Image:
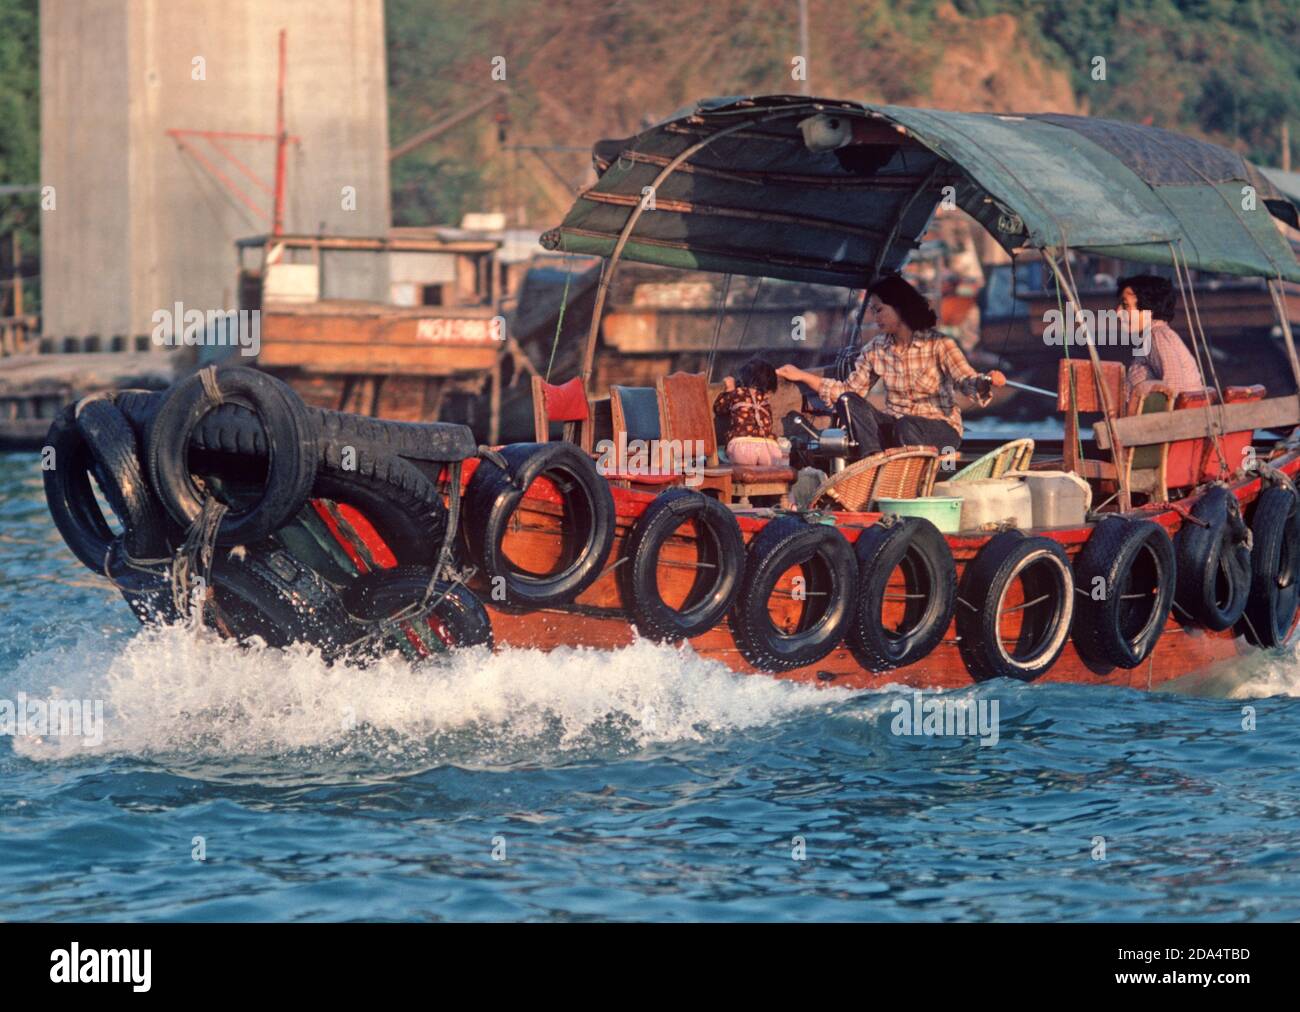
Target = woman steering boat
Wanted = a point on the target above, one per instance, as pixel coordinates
(922, 370)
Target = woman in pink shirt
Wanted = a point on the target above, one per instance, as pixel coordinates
(1147, 304)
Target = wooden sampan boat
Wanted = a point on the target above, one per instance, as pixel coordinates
(836, 192)
(338, 532)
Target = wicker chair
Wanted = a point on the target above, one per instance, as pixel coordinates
(1146, 466)
(904, 472)
(1012, 456)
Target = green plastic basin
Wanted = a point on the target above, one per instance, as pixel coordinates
(941, 510)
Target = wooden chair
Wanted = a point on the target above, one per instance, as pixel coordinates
(1077, 387)
(564, 402)
(903, 472)
(635, 416)
(1145, 466)
(687, 414)
(686, 418)
(1187, 459)
(1012, 456)
(751, 479)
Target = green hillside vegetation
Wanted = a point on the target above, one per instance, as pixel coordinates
(1228, 70)
(578, 69)
(20, 119)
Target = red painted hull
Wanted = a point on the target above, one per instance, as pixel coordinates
(598, 618)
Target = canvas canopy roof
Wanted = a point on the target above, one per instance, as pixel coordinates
(848, 194)
(1287, 182)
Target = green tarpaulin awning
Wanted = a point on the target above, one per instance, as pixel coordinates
(835, 192)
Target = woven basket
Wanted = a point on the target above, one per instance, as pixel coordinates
(904, 472)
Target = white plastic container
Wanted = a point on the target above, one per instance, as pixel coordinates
(990, 501)
(1060, 499)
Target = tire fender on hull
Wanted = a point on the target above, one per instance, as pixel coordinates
(493, 497)
(1126, 575)
(1041, 566)
(916, 549)
(290, 436)
(455, 615)
(399, 501)
(1213, 561)
(147, 590)
(722, 553)
(116, 452)
(1274, 596)
(96, 444)
(830, 577)
(268, 593)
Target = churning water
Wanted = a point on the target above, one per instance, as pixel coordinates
(245, 783)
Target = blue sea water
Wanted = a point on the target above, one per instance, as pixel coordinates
(643, 783)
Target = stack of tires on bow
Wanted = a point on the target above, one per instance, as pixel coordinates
(333, 525)
(345, 532)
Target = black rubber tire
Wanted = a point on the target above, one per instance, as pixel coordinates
(266, 592)
(493, 495)
(147, 590)
(384, 592)
(721, 545)
(291, 460)
(233, 429)
(116, 453)
(1213, 562)
(70, 496)
(1274, 595)
(404, 507)
(400, 501)
(437, 442)
(984, 583)
(915, 546)
(1118, 628)
(783, 543)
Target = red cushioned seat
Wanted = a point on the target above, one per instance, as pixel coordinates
(1186, 457)
(1234, 443)
(566, 402)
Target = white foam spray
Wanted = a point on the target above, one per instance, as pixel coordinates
(172, 691)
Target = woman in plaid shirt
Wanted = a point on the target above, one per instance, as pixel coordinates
(922, 370)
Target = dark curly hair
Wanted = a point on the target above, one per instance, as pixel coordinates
(758, 374)
(906, 301)
(1153, 293)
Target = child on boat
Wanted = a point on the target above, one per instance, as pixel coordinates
(745, 405)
